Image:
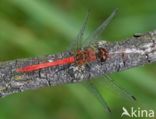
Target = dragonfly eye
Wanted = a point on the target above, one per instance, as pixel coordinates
(102, 54)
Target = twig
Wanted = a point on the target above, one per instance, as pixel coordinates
(134, 51)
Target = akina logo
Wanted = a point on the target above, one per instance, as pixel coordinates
(137, 112)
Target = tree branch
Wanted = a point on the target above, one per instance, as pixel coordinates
(137, 50)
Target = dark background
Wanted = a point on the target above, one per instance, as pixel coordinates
(37, 27)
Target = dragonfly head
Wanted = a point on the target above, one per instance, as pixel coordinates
(102, 54)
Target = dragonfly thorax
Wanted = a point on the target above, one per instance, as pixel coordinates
(85, 55)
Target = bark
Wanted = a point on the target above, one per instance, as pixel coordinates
(135, 51)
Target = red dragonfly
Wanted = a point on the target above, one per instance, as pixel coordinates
(84, 55)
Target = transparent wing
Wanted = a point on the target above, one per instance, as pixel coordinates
(78, 40)
(117, 86)
(95, 35)
(93, 89)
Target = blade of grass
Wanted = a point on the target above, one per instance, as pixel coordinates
(140, 77)
(21, 37)
(48, 14)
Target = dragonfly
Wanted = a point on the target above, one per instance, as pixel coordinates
(83, 55)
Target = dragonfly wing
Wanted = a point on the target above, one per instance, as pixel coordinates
(118, 87)
(95, 35)
(93, 89)
(78, 40)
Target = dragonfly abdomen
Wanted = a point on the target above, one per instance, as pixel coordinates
(47, 64)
